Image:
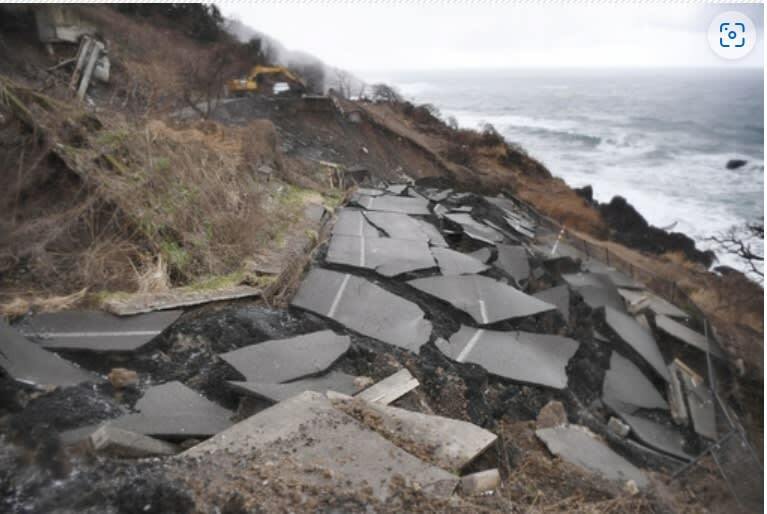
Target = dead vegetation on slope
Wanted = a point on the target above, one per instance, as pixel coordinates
(104, 203)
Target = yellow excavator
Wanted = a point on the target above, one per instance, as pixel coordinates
(262, 80)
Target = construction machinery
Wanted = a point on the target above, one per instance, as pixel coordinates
(262, 80)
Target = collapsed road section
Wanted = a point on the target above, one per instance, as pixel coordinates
(428, 323)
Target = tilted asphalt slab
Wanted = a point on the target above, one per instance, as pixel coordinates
(174, 411)
(638, 338)
(483, 298)
(520, 356)
(474, 229)
(388, 203)
(386, 256)
(283, 360)
(686, 335)
(363, 307)
(514, 261)
(559, 296)
(332, 381)
(625, 383)
(26, 362)
(351, 222)
(661, 437)
(396, 225)
(96, 331)
(456, 263)
(579, 446)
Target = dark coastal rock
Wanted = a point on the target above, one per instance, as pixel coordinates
(630, 228)
(734, 164)
(586, 192)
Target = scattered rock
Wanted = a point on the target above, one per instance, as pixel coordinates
(121, 378)
(631, 487)
(734, 164)
(480, 482)
(618, 428)
(363, 382)
(552, 414)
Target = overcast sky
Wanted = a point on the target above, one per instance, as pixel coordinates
(366, 37)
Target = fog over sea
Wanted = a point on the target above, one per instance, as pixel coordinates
(660, 138)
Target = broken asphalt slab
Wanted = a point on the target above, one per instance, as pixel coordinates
(483, 298)
(363, 307)
(578, 445)
(396, 225)
(96, 331)
(661, 437)
(653, 302)
(520, 356)
(626, 384)
(351, 222)
(283, 360)
(332, 381)
(559, 296)
(456, 263)
(632, 333)
(474, 229)
(174, 411)
(26, 362)
(386, 256)
(386, 203)
(686, 335)
(514, 261)
(352, 455)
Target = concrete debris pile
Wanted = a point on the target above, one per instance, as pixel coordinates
(448, 282)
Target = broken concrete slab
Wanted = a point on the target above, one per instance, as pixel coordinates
(26, 362)
(387, 203)
(172, 410)
(655, 303)
(369, 191)
(578, 445)
(559, 296)
(596, 297)
(140, 303)
(450, 443)
(676, 395)
(364, 307)
(351, 222)
(283, 360)
(655, 435)
(618, 427)
(123, 443)
(632, 333)
(96, 331)
(483, 298)
(520, 356)
(514, 261)
(438, 195)
(686, 335)
(474, 229)
(456, 263)
(353, 455)
(390, 388)
(333, 381)
(386, 256)
(481, 482)
(626, 384)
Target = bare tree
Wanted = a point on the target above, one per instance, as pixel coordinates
(343, 83)
(739, 241)
(385, 93)
(205, 76)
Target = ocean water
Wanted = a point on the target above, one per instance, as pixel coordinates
(659, 138)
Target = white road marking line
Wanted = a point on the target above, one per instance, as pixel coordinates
(483, 311)
(362, 241)
(56, 335)
(470, 345)
(337, 298)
